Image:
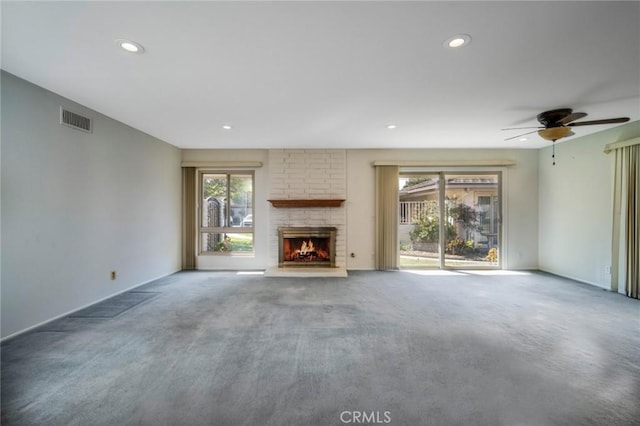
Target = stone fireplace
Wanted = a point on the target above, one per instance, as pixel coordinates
(307, 247)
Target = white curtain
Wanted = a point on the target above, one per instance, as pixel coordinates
(626, 230)
(387, 217)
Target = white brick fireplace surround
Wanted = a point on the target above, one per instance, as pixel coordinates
(303, 174)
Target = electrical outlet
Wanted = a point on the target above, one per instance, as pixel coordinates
(113, 275)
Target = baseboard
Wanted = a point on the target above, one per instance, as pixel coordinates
(573, 278)
(66, 314)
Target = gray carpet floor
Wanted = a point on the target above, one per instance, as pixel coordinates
(438, 349)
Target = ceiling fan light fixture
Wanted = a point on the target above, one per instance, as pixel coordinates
(457, 41)
(554, 133)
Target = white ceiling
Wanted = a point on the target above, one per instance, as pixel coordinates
(332, 74)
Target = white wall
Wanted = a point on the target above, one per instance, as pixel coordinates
(520, 191)
(520, 194)
(76, 206)
(575, 206)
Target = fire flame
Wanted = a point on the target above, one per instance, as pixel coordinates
(306, 247)
(303, 250)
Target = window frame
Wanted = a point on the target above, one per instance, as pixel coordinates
(225, 229)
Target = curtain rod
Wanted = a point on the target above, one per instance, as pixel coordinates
(445, 163)
(622, 144)
(222, 164)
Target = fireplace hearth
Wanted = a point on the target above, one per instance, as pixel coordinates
(307, 247)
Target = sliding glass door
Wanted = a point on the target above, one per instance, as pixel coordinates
(450, 220)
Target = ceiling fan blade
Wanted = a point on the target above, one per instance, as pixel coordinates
(606, 121)
(572, 117)
(519, 136)
(521, 128)
(552, 118)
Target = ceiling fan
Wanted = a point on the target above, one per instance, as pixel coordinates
(557, 124)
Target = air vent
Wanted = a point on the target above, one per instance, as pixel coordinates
(75, 121)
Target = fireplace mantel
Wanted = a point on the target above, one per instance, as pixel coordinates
(306, 203)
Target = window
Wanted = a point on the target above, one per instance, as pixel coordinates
(226, 212)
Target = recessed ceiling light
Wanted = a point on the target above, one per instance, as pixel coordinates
(130, 46)
(457, 41)
(391, 126)
(522, 139)
(227, 127)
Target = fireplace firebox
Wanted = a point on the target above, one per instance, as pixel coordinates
(307, 247)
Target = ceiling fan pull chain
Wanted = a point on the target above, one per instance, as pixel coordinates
(553, 155)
